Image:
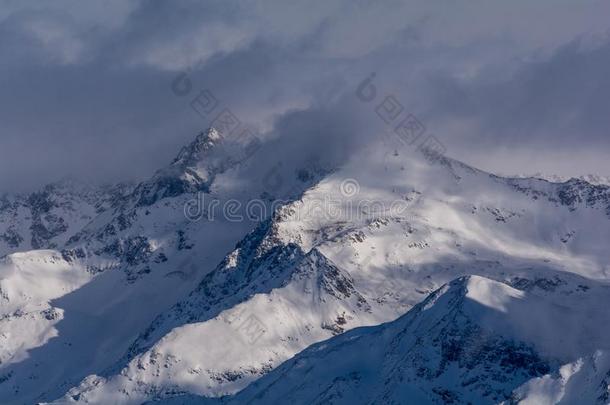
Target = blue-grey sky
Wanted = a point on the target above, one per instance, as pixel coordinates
(510, 87)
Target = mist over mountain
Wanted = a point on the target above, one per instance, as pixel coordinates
(257, 203)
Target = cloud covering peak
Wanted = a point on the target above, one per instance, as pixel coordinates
(88, 88)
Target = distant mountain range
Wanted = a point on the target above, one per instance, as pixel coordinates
(398, 277)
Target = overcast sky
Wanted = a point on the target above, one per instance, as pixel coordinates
(511, 87)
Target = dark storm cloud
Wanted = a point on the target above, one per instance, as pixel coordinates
(86, 90)
(556, 100)
(58, 121)
(547, 108)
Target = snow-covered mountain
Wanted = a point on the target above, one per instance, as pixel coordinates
(472, 341)
(145, 301)
(46, 219)
(101, 285)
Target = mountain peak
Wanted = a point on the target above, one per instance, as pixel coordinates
(473, 294)
(490, 293)
(194, 169)
(204, 141)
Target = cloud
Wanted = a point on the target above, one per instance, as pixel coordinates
(87, 88)
(546, 108)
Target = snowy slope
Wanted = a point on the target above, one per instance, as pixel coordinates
(108, 280)
(28, 282)
(584, 381)
(465, 343)
(315, 271)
